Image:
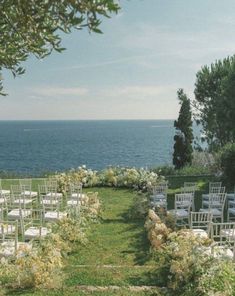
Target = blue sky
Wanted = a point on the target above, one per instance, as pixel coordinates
(132, 71)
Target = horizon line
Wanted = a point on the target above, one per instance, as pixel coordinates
(126, 119)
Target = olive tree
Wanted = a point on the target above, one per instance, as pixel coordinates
(34, 27)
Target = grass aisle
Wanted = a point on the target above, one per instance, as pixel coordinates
(117, 252)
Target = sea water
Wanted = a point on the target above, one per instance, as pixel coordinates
(33, 147)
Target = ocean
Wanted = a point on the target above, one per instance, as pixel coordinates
(34, 147)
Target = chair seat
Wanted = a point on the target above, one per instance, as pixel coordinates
(231, 196)
(214, 211)
(180, 213)
(77, 195)
(158, 196)
(217, 252)
(185, 204)
(222, 252)
(15, 214)
(231, 211)
(205, 196)
(54, 216)
(229, 233)
(29, 193)
(33, 232)
(231, 203)
(159, 203)
(73, 202)
(54, 194)
(200, 232)
(8, 248)
(21, 201)
(212, 203)
(49, 202)
(5, 192)
(2, 200)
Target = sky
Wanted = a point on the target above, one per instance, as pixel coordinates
(131, 71)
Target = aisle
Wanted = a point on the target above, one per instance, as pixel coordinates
(117, 252)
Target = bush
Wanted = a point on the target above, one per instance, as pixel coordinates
(227, 162)
(140, 179)
(70, 231)
(203, 163)
(183, 265)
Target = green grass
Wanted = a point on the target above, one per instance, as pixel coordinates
(76, 292)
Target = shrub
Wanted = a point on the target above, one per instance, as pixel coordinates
(218, 279)
(183, 265)
(157, 230)
(140, 179)
(140, 207)
(41, 266)
(70, 231)
(227, 162)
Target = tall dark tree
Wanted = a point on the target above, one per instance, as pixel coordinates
(184, 134)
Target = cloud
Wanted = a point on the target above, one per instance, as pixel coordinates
(133, 58)
(163, 41)
(137, 92)
(59, 91)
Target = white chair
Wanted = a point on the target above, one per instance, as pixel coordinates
(212, 196)
(20, 206)
(74, 199)
(8, 238)
(214, 187)
(26, 188)
(183, 205)
(190, 188)
(158, 198)
(49, 196)
(18, 198)
(75, 191)
(231, 210)
(200, 223)
(52, 210)
(33, 227)
(223, 234)
(216, 204)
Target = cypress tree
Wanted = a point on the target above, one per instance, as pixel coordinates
(184, 134)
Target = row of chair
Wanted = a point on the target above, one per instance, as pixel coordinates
(222, 234)
(27, 215)
(215, 200)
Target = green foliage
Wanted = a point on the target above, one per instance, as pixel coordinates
(34, 27)
(70, 231)
(184, 135)
(218, 279)
(227, 162)
(214, 102)
(183, 263)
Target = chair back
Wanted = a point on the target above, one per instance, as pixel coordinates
(217, 200)
(183, 201)
(214, 187)
(223, 232)
(201, 220)
(25, 184)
